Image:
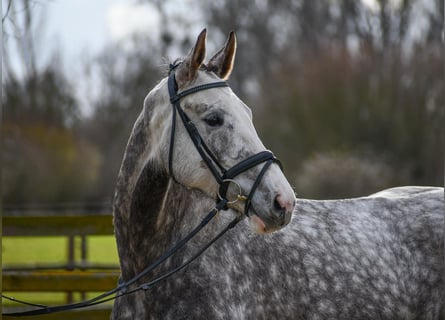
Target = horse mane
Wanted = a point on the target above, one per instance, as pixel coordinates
(147, 202)
(140, 188)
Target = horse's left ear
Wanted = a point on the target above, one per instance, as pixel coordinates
(222, 62)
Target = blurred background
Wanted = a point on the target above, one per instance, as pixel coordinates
(349, 94)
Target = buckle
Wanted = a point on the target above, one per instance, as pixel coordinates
(238, 197)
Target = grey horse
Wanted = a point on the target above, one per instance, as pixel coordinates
(375, 257)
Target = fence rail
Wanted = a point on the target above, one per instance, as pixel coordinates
(57, 225)
(74, 276)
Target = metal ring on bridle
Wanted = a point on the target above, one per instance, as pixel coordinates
(239, 196)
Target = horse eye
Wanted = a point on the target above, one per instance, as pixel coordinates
(214, 120)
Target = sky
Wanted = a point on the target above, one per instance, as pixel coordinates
(80, 30)
(77, 27)
(87, 26)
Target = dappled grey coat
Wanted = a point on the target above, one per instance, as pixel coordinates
(377, 257)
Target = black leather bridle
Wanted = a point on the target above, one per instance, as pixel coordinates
(224, 177)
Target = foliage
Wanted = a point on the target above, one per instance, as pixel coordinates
(126, 79)
(43, 159)
(43, 96)
(39, 160)
(342, 77)
(337, 175)
(379, 107)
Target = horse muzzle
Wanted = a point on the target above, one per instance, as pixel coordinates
(276, 217)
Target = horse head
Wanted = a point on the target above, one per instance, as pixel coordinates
(219, 120)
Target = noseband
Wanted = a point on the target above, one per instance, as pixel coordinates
(224, 177)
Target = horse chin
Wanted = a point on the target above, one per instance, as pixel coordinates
(260, 222)
(257, 225)
(262, 226)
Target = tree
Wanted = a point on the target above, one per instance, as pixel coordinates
(126, 79)
(343, 76)
(42, 158)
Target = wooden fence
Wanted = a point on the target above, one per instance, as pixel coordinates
(73, 276)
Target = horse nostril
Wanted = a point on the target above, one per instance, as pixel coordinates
(278, 208)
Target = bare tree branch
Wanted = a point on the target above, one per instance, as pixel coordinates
(7, 11)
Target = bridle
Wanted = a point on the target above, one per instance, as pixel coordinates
(224, 178)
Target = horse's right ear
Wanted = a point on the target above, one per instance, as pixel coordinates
(189, 67)
(222, 62)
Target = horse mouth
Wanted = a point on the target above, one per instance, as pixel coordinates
(261, 225)
(257, 224)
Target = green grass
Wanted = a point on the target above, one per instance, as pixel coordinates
(53, 250)
(102, 249)
(30, 250)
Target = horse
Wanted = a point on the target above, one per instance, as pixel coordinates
(374, 257)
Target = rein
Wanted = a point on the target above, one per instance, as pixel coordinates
(123, 288)
(223, 177)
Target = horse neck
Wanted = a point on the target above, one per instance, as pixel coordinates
(151, 211)
(140, 189)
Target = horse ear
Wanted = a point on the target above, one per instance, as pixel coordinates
(195, 58)
(222, 62)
